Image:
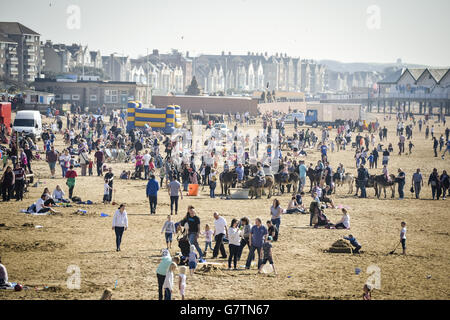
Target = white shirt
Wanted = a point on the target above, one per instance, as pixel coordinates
(58, 194)
(39, 204)
(65, 160)
(168, 282)
(183, 279)
(404, 233)
(220, 225)
(346, 221)
(106, 188)
(120, 219)
(234, 236)
(147, 158)
(3, 273)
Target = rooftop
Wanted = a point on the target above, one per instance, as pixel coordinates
(16, 28)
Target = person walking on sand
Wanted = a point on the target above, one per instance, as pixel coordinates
(168, 282)
(220, 231)
(275, 213)
(257, 237)
(234, 237)
(152, 193)
(193, 222)
(434, 181)
(182, 281)
(169, 228)
(267, 255)
(161, 271)
(417, 182)
(120, 224)
(71, 176)
(175, 192)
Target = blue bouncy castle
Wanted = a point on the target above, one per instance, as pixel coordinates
(159, 119)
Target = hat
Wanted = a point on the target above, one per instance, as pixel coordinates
(165, 253)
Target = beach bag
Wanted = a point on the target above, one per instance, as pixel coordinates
(76, 199)
(412, 189)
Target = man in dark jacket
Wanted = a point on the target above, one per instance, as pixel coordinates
(363, 177)
(152, 193)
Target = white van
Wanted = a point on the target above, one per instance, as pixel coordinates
(28, 122)
(289, 118)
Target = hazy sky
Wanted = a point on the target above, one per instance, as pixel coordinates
(416, 31)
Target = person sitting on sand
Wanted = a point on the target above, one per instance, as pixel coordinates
(58, 195)
(324, 197)
(3, 276)
(124, 175)
(344, 223)
(41, 207)
(48, 198)
(294, 207)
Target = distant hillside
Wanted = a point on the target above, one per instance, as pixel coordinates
(364, 66)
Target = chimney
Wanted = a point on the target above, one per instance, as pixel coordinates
(155, 52)
(229, 53)
(276, 54)
(265, 54)
(223, 53)
(187, 54)
(248, 53)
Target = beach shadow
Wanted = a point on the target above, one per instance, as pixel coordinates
(93, 252)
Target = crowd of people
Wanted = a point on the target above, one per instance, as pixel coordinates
(178, 162)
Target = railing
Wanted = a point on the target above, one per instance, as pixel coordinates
(424, 96)
(417, 95)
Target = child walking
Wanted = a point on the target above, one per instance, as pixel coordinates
(208, 238)
(267, 250)
(193, 260)
(168, 281)
(106, 187)
(182, 281)
(169, 228)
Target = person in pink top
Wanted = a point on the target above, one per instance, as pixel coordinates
(139, 164)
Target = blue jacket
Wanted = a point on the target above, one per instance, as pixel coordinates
(152, 187)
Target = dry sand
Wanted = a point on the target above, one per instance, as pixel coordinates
(41, 257)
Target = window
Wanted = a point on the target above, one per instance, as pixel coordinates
(93, 97)
(76, 97)
(24, 122)
(111, 96)
(57, 97)
(66, 96)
